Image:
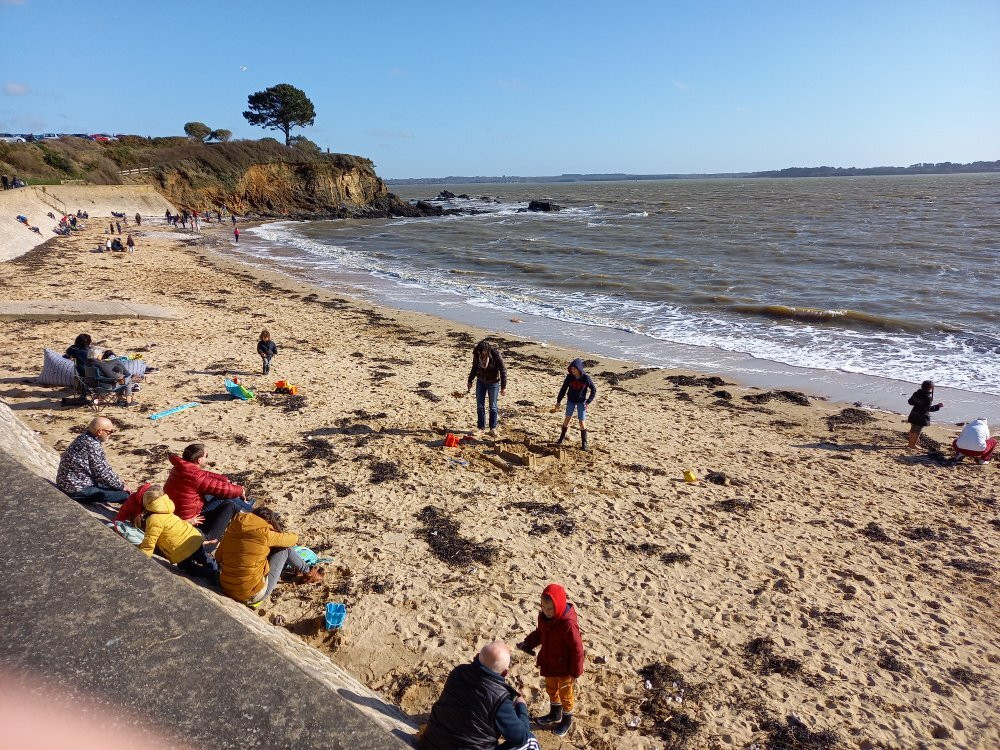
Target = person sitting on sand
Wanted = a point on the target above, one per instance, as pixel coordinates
(490, 374)
(975, 442)
(79, 352)
(202, 497)
(920, 415)
(579, 389)
(560, 658)
(253, 553)
(177, 540)
(477, 707)
(84, 471)
(267, 350)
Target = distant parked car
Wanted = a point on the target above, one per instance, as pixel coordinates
(46, 137)
(100, 137)
(11, 138)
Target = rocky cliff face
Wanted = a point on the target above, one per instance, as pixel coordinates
(336, 186)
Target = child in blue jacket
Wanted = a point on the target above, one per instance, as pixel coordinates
(579, 389)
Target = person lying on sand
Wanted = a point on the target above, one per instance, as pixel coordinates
(975, 442)
(579, 389)
(253, 553)
(560, 658)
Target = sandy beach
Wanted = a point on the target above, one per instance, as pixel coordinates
(827, 581)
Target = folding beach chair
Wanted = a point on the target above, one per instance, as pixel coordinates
(97, 390)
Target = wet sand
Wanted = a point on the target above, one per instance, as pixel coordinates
(829, 576)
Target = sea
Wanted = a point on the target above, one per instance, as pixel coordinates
(854, 288)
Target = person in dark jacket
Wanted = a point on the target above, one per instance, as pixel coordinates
(490, 374)
(477, 707)
(560, 658)
(267, 350)
(579, 389)
(80, 352)
(920, 415)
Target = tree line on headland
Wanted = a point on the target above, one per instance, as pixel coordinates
(946, 167)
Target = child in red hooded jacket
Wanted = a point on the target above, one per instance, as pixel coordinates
(560, 659)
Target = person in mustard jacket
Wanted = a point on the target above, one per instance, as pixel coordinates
(253, 553)
(175, 539)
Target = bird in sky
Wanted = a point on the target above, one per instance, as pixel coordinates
(243, 67)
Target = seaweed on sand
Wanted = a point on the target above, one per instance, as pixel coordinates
(888, 660)
(966, 676)
(537, 509)
(712, 381)
(614, 378)
(735, 505)
(646, 548)
(314, 449)
(429, 395)
(791, 397)
(849, 417)
(828, 618)
(971, 566)
(384, 471)
(285, 402)
(667, 691)
(640, 469)
(565, 526)
(671, 558)
(759, 654)
(442, 535)
(795, 735)
(875, 533)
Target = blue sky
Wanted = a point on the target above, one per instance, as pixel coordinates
(529, 88)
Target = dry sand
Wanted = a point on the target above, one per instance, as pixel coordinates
(838, 580)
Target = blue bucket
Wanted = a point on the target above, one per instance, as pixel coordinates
(335, 615)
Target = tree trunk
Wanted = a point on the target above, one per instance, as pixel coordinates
(288, 130)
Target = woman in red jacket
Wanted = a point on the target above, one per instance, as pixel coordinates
(202, 497)
(560, 659)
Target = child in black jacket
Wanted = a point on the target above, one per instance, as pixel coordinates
(579, 389)
(267, 350)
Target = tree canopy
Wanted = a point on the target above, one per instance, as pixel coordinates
(280, 107)
(197, 130)
(222, 135)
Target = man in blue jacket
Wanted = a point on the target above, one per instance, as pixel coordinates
(477, 708)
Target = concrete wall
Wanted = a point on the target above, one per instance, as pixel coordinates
(99, 201)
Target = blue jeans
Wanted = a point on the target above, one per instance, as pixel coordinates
(580, 409)
(98, 494)
(482, 389)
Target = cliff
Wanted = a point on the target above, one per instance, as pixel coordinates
(256, 178)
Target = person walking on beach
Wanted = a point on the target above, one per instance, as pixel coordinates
(6, 182)
(579, 389)
(118, 226)
(922, 402)
(236, 234)
(233, 217)
(266, 348)
(138, 219)
(490, 374)
(560, 658)
(130, 243)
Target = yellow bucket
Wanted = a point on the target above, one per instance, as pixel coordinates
(690, 477)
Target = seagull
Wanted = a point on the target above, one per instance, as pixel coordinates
(243, 67)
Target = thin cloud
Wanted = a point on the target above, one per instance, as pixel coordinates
(14, 89)
(11, 2)
(742, 110)
(509, 84)
(680, 86)
(390, 134)
(396, 72)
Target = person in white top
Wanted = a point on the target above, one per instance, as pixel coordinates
(975, 442)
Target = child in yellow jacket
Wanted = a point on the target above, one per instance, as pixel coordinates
(174, 538)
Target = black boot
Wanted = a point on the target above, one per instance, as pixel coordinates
(554, 716)
(583, 439)
(562, 436)
(564, 725)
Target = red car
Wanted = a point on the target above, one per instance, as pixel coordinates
(101, 137)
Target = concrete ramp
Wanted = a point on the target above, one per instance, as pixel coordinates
(84, 310)
(99, 201)
(91, 617)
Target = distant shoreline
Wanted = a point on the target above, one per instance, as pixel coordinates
(977, 167)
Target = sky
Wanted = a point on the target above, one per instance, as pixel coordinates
(528, 88)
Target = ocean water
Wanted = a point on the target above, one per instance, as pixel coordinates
(889, 277)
